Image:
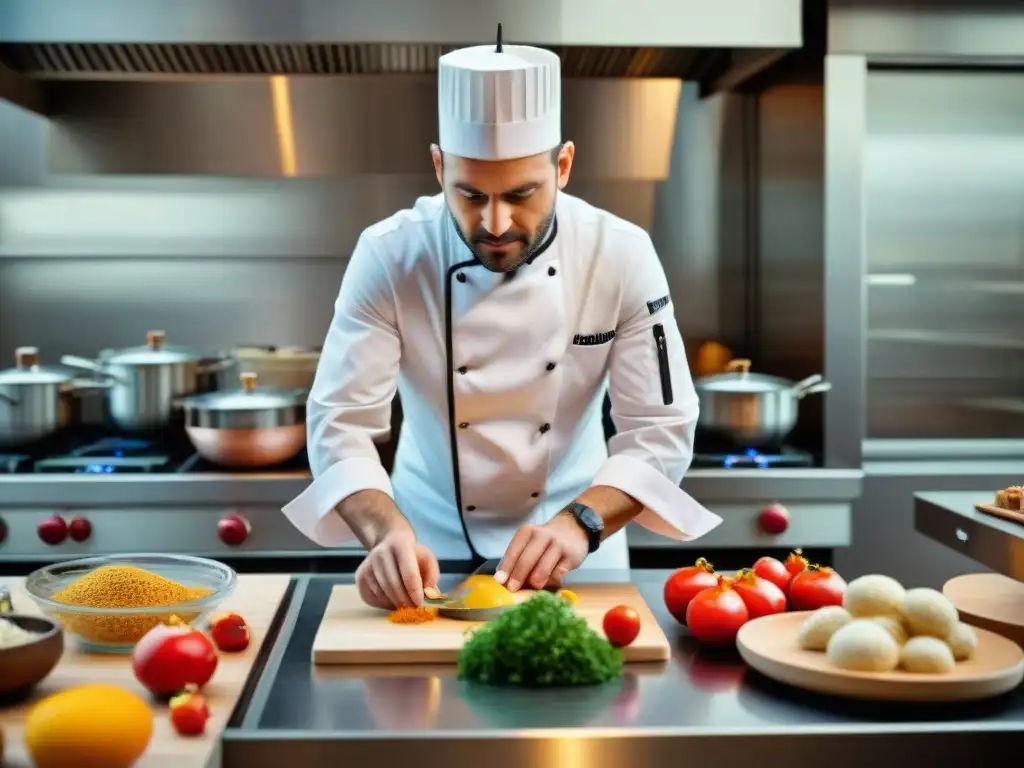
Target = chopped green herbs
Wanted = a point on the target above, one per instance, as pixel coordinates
(540, 642)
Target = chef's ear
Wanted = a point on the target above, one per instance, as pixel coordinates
(438, 158)
(564, 163)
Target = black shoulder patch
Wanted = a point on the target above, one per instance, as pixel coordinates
(657, 305)
(593, 339)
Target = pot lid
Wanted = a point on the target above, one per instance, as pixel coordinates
(27, 370)
(247, 398)
(739, 379)
(154, 352)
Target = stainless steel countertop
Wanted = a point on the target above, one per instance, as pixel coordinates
(704, 704)
(950, 518)
(277, 489)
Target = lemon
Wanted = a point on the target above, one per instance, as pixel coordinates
(89, 726)
(569, 595)
(483, 592)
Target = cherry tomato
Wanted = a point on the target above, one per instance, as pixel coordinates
(796, 562)
(761, 597)
(621, 625)
(684, 584)
(715, 615)
(189, 713)
(815, 588)
(774, 571)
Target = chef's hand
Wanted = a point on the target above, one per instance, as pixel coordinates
(396, 570)
(539, 555)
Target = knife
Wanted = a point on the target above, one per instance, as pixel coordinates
(438, 599)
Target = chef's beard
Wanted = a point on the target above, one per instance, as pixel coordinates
(501, 261)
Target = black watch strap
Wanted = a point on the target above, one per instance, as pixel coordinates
(590, 522)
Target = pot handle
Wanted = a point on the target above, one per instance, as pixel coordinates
(739, 365)
(812, 385)
(5, 398)
(212, 366)
(84, 364)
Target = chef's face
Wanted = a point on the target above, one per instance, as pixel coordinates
(503, 209)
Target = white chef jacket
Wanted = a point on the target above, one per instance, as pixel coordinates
(502, 379)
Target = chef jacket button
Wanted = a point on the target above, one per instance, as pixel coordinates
(463, 425)
(463, 369)
(461, 277)
(551, 366)
(551, 271)
(535, 495)
(544, 428)
(471, 508)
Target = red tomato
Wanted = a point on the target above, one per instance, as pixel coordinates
(815, 588)
(230, 633)
(715, 615)
(761, 597)
(189, 713)
(684, 584)
(621, 625)
(796, 562)
(167, 659)
(774, 571)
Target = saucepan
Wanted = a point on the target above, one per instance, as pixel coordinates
(752, 409)
(37, 402)
(145, 381)
(249, 427)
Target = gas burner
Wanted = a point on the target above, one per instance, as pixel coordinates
(752, 458)
(109, 456)
(13, 463)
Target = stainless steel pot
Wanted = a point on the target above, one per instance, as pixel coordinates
(281, 367)
(37, 402)
(752, 409)
(249, 427)
(146, 381)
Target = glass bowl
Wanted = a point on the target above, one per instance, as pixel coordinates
(201, 585)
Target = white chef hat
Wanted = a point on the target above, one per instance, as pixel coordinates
(499, 102)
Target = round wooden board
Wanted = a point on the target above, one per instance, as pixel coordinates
(989, 601)
(769, 645)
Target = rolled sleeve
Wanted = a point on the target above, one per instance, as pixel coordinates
(312, 511)
(668, 510)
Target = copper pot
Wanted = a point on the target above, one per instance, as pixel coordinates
(247, 428)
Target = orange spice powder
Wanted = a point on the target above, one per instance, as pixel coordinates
(409, 614)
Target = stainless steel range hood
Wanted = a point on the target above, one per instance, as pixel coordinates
(597, 38)
(132, 86)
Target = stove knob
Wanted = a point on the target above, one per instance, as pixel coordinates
(233, 529)
(3, 531)
(774, 519)
(53, 530)
(79, 529)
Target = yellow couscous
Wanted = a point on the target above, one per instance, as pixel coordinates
(121, 587)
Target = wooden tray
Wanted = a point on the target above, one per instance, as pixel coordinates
(353, 633)
(1006, 514)
(769, 645)
(989, 601)
(256, 598)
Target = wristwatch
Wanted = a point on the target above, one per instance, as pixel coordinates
(590, 522)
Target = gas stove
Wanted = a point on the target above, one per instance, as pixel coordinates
(115, 455)
(782, 457)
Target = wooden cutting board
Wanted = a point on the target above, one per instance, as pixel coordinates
(769, 645)
(256, 598)
(353, 633)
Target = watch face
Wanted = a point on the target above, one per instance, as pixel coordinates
(591, 519)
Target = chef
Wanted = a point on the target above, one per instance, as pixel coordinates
(501, 310)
